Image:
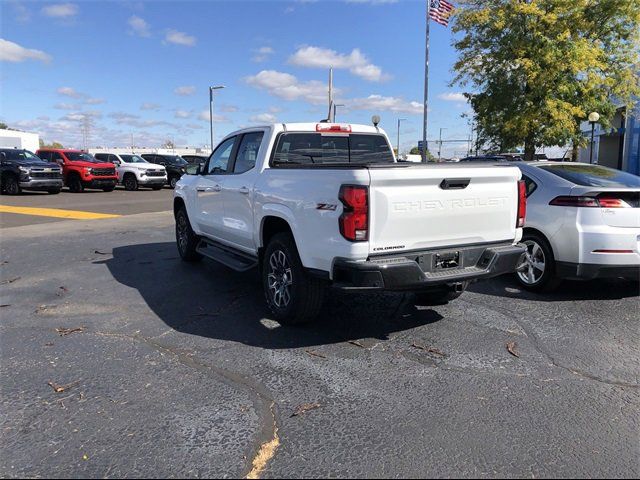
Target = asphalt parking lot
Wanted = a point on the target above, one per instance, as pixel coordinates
(176, 370)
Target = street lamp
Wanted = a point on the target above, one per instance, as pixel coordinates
(211, 89)
(399, 120)
(593, 118)
(440, 146)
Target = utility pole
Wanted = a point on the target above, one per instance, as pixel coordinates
(399, 120)
(440, 145)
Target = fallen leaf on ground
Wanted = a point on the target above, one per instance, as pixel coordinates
(5, 305)
(62, 388)
(511, 347)
(63, 332)
(314, 354)
(433, 350)
(100, 253)
(305, 407)
(62, 290)
(11, 280)
(356, 343)
(50, 344)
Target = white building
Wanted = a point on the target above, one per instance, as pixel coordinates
(17, 139)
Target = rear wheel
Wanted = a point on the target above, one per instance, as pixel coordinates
(439, 296)
(172, 181)
(75, 184)
(536, 268)
(130, 182)
(293, 296)
(186, 238)
(10, 185)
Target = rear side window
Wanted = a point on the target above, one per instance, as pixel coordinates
(248, 152)
(316, 148)
(529, 184)
(593, 175)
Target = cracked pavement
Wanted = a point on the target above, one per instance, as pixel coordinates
(181, 373)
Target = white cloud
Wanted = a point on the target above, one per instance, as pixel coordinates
(139, 26)
(179, 38)
(227, 108)
(69, 92)
(67, 106)
(185, 90)
(61, 10)
(12, 52)
(378, 103)
(263, 118)
(263, 54)
(94, 101)
(22, 13)
(123, 118)
(204, 115)
(356, 62)
(288, 87)
(182, 114)
(453, 97)
(149, 106)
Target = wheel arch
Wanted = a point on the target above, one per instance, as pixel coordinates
(530, 230)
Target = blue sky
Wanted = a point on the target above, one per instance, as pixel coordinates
(143, 68)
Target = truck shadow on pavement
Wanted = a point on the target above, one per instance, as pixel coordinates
(599, 289)
(210, 300)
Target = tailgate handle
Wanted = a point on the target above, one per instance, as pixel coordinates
(455, 183)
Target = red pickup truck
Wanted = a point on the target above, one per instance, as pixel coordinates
(81, 170)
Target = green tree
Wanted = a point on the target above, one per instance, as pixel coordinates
(3, 126)
(53, 144)
(416, 151)
(538, 67)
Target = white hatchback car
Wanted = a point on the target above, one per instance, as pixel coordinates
(134, 171)
(583, 222)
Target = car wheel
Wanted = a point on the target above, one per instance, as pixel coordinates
(186, 238)
(76, 185)
(293, 296)
(130, 182)
(536, 267)
(10, 185)
(54, 191)
(173, 181)
(433, 297)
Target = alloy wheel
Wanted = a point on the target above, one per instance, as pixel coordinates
(183, 232)
(532, 263)
(279, 279)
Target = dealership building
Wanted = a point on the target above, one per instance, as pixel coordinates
(18, 139)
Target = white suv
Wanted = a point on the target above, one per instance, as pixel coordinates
(134, 171)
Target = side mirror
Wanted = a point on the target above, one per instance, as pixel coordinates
(193, 169)
(116, 163)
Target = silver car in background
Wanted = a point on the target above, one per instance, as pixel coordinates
(583, 222)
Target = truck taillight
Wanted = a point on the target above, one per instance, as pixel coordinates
(354, 221)
(522, 203)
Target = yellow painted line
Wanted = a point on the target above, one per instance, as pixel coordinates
(56, 213)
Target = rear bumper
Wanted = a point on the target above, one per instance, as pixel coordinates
(42, 183)
(589, 271)
(416, 271)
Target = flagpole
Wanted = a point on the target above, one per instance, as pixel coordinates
(425, 149)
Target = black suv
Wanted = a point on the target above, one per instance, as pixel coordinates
(174, 164)
(22, 169)
(195, 159)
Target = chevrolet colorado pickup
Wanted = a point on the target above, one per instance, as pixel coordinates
(317, 205)
(81, 170)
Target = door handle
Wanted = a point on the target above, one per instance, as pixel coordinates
(216, 188)
(244, 190)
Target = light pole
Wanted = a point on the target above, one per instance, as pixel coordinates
(398, 151)
(335, 106)
(593, 118)
(211, 89)
(440, 145)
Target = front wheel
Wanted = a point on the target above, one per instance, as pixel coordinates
(186, 238)
(130, 183)
(10, 185)
(536, 268)
(76, 185)
(293, 296)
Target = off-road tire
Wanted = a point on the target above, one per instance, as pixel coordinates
(130, 182)
(186, 238)
(10, 185)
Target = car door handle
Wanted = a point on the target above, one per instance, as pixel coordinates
(244, 190)
(217, 188)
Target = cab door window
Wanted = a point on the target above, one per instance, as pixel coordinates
(248, 152)
(219, 161)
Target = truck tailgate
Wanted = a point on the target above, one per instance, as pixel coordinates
(422, 207)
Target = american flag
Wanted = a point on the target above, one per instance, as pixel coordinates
(440, 11)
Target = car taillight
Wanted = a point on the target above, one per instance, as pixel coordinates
(589, 202)
(522, 203)
(354, 221)
(332, 127)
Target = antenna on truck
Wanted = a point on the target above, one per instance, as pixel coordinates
(332, 111)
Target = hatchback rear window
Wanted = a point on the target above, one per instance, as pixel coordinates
(594, 175)
(319, 149)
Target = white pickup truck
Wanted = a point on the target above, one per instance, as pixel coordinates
(314, 205)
